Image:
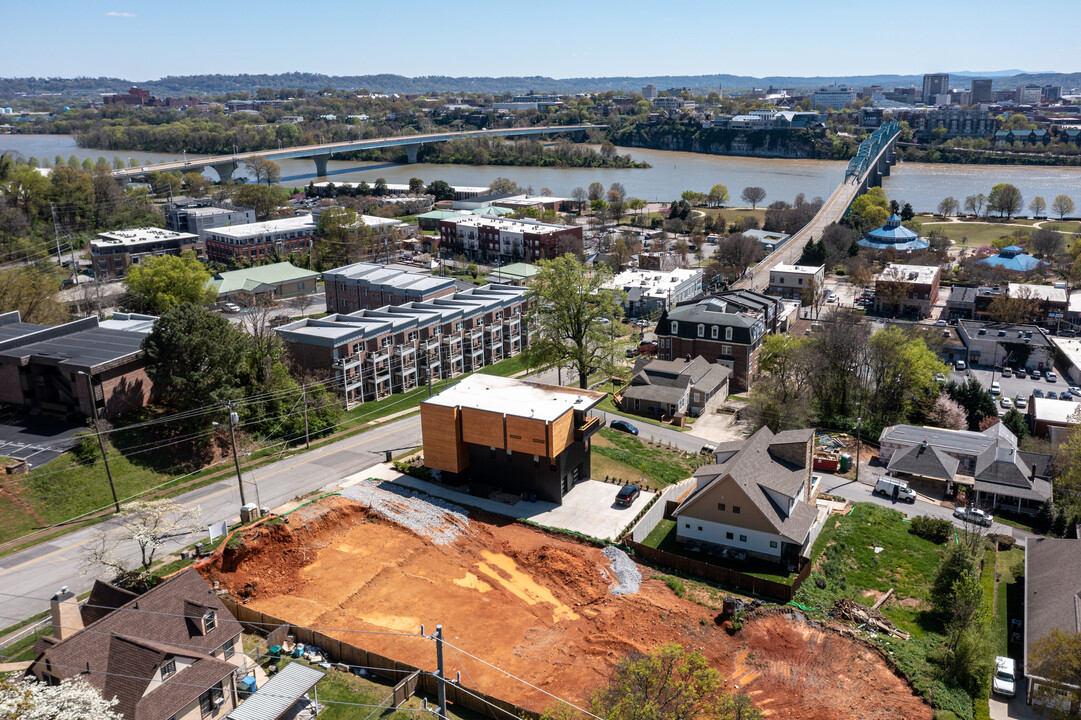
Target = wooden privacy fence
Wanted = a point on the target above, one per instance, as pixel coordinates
(407, 676)
(724, 576)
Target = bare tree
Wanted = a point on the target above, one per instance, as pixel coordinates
(814, 293)
(753, 195)
(948, 206)
(974, 203)
(580, 196)
(738, 252)
(150, 525)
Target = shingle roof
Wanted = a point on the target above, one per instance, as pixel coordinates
(104, 598)
(925, 461)
(1052, 590)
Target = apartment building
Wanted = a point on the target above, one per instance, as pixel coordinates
(395, 348)
(261, 240)
(650, 291)
(367, 286)
(492, 238)
(518, 437)
(198, 216)
(907, 289)
(112, 253)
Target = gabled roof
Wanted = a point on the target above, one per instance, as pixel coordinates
(249, 279)
(755, 469)
(1052, 590)
(924, 460)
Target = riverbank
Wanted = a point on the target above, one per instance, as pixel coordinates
(973, 156)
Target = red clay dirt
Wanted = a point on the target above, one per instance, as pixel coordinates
(539, 607)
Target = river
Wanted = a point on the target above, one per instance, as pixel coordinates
(921, 184)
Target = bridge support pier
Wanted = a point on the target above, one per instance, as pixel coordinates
(321, 164)
(224, 170)
(411, 153)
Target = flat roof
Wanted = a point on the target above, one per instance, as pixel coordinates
(515, 397)
(1071, 349)
(82, 349)
(505, 225)
(1043, 292)
(799, 269)
(1058, 411)
(921, 274)
(139, 236)
(267, 227)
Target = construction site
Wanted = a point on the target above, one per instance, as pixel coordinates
(371, 565)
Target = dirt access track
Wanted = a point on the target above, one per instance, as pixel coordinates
(538, 606)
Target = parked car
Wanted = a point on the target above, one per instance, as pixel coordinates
(1007, 403)
(1021, 404)
(940, 378)
(624, 426)
(1051, 377)
(960, 365)
(996, 389)
(940, 323)
(1006, 372)
(1035, 374)
(708, 449)
(628, 494)
(1037, 392)
(973, 515)
(632, 352)
(1052, 395)
(1005, 680)
(894, 488)
(1074, 390)
(230, 307)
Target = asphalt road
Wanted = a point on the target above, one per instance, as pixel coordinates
(32, 576)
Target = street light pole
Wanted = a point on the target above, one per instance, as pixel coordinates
(101, 443)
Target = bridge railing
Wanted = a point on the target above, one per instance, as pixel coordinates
(869, 150)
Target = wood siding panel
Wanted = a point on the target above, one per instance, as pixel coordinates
(481, 427)
(443, 447)
(561, 433)
(527, 435)
(731, 495)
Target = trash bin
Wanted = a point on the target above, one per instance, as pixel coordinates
(846, 460)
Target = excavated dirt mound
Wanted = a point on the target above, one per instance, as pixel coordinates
(539, 607)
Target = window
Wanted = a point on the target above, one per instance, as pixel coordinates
(735, 509)
(695, 397)
(699, 528)
(210, 621)
(701, 330)
(168, 669)
(228, 650)
(713, 332)
(773, 543)
(675, 327)
(728, 536)
(728, 333)
(687, 525)
(743, 538)
(720, 506)
(726, 349)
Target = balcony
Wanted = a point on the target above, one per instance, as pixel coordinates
(585, 428)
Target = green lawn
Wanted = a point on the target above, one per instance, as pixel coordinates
(981, 233)
(852, 569)
(660, 464)
(1009, 595)
(663, 538)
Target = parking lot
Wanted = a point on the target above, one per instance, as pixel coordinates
(1012, 386)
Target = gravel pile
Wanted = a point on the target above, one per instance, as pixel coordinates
(440, 521)
(627, 574)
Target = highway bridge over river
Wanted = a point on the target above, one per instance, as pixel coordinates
(866, 170)
(225, 165)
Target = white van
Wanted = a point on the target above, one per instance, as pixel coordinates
(894, 488)
(1005, 680)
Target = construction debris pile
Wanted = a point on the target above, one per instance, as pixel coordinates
(866, 618)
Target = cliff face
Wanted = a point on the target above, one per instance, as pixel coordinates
(687, 137)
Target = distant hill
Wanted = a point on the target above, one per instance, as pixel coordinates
(200, 85)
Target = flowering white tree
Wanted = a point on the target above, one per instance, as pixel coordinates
(150, 525)
(72, 699)
(947, 413)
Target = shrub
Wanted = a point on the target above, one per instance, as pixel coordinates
(937, 530)
(676, 585)
(86, 447)
(1004, 542)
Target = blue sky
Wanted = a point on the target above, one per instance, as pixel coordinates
(141, 40)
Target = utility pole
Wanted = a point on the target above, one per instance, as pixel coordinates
(56, 233)
(304, 399)
(233, 419)
(859, 421)
(441, 684)
(101, 443)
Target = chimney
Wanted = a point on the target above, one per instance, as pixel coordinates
(67, 620)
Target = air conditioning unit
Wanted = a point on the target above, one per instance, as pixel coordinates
(219, 701)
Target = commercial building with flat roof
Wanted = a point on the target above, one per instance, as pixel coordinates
(51, 368)
(195, 217)
(1016, 346)
(112, 253)
(907, 289)
(521, 438)
(651, 291)
(261, 240)
(791, 281)
(366, 286)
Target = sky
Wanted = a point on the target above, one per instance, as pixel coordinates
(149, 39)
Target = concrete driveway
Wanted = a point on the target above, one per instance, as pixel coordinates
(35, 438)
(1013, 709)
(589, 508)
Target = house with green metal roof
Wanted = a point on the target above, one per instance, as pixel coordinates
(277, 280)
(514, 274)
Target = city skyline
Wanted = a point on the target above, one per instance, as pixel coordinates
(607, 40)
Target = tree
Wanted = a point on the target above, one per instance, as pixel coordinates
(907, 213)
(595, 191)
(265, 170)
(718, 195)
(1056, 657)
(569, 301)
(196, 184)
(753, 195)
(416, 186)
(670, 683)
(1062, 206)
(74, 698)
(948, 206)
(150, 525)
(380, 187)
(1005, 199)
(579, 195)
(617, 192)
(974, 203)
(1015, 423)
(193, 357)
(261, 198)
(620, 254)
(504, 185)
(163, 282)
(32, 290)
(738, 252)
(947, 413)
(1046, 242)
(1037, 206)
(975, 400)
(441, 190)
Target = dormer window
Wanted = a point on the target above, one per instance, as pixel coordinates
(168, 669)
(728, 333)
(713, 332)
(675, 327)
(210, 621)
(701, 330)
